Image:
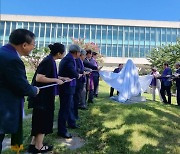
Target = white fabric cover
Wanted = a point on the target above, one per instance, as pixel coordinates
(127, 82)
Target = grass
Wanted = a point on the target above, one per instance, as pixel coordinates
(114, 128)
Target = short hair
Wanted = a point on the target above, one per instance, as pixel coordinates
(74, 48)
(166, 64)
(94, 53)
(83, 52)
(88, 52)
(20, 36)
(178, 64)
(56, 48)
(120, 64)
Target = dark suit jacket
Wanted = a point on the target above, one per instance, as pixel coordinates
(87, 64)
(13, 87)
(67, 68)
(116, 70)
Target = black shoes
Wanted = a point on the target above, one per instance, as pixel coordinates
(44, 149)
(66, 135)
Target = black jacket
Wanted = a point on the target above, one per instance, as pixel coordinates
(13, 87)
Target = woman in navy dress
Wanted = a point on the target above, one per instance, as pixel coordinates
(43, 103)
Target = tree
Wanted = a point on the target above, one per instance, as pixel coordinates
(36, 57)
(88, 46)
(169, 54)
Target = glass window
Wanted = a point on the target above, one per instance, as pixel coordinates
(168, 32)
(119, 50)
(163, 33)
(136, 51)
(76, 31)
(109, 33)
(114, 51)
(31, 25)
(82, 28)
(126, 51)
(36, 29)
(136, 33)
(153, 37)
(7, 28)
(142, 54)
(109, 50)
(147, 34)
(115, 32)
(131, 51)
(70, 34)
(104, 32)
(120, 36)
(174, 35)
(48, 26)
(103, 49)
(2, 28)
(131, 34)
(25, 25)
(93, 30)
(87, 32)
(158, 36)
(42, 30)
(53, 31)
(59, 31)
(65, 27)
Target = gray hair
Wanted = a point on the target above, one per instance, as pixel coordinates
(74, 48)
(178, 63)
(83, 52)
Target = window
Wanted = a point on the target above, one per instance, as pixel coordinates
(109, 50)
(36, 32)
(70, 34)
(7, 28)
(42, 30)
(87, 32)
(103, 49)
(168, 33)
(119, 50)
(114, 51)
(126, 51)
(131, 51)
(82, 28)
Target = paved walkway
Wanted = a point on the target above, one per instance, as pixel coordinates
(74, 143)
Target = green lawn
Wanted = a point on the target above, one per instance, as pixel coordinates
(114, 128)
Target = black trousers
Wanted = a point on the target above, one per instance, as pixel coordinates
(166, 89)
(178, 95)
(96, 84)
(77, 97)
(1, 140)
(112, 91)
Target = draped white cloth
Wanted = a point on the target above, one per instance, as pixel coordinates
(127, 81)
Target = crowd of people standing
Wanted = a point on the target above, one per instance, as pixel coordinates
(76, 82)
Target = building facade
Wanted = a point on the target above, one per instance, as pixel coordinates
(117, 39)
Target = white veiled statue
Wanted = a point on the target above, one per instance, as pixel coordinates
(127, 81)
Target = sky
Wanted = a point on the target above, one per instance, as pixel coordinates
(166, 10)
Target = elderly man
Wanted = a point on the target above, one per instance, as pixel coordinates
(67, 68)
(13, 82)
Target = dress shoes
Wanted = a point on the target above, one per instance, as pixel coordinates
(66, 135)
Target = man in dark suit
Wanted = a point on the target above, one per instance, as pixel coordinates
(13, 82)
(177, 79)
(166, 84)
(116, 70)
(67, 68)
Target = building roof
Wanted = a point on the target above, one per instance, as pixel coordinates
(95, 21)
